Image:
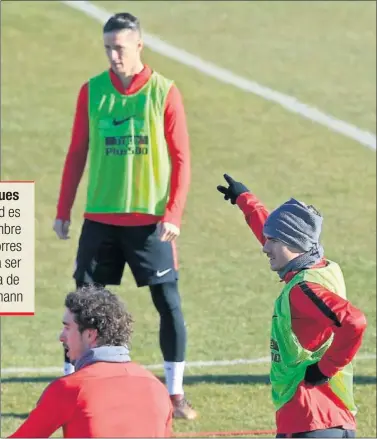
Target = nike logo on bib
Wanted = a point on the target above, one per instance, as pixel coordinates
(162, 273)
(120, 121)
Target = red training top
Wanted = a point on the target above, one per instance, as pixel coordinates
(102, 400)
(177, 139)
(313, 321)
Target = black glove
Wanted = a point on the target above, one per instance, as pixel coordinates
(314, 376)
(234, 190)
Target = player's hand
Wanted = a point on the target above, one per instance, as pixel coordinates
(167, 231)
(61, 228)
(314, 376)
(234, 190)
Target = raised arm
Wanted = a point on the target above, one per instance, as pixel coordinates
(253, 209)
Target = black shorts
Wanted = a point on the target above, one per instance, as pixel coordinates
(104, 250)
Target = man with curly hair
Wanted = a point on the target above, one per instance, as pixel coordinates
(108, 395)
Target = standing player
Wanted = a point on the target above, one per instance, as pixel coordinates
(130, 122)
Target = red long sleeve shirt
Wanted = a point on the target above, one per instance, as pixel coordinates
(177, 138)
(102, 400)
(314, 407)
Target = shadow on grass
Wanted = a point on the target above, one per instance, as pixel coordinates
(194, 379)
(29, 379)
(15, 415)
(253, 379)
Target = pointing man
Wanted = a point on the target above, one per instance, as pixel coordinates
(315, 330)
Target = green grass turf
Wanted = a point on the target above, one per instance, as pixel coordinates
(49, 50)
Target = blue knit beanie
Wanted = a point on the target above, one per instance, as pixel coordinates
(295, 224)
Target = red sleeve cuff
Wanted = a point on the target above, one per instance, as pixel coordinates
(247, 200)
(172, 219)
(63, 214)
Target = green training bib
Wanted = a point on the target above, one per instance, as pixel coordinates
(129, 162)
(289, 359)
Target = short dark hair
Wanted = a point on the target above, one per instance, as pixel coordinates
(94, 307)
(121, 21)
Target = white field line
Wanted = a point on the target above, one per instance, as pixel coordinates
(189, 364)
(290, 103)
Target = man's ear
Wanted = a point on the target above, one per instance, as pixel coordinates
(92, 335)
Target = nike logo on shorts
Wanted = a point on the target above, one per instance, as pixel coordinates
(162, 273)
